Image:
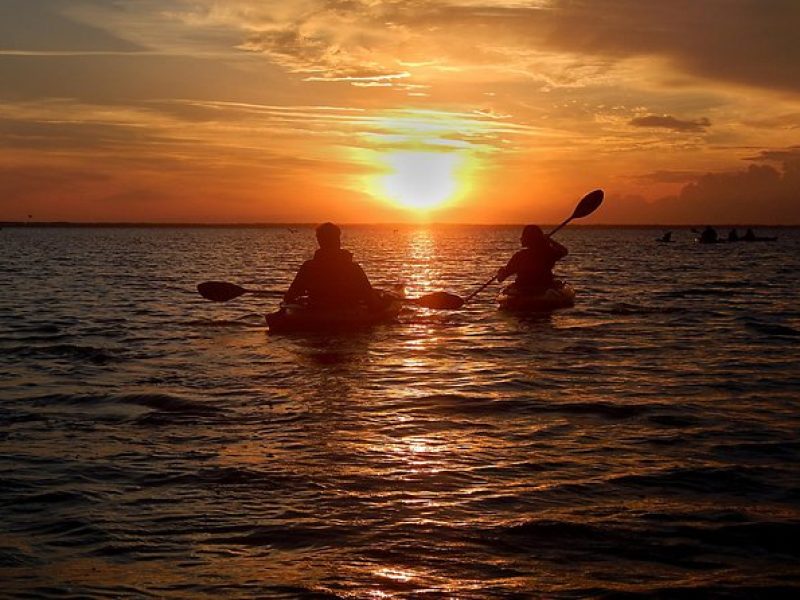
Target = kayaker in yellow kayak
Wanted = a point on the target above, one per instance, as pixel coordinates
(533, 265)
(331, 279)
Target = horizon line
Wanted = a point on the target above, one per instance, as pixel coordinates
(306, 224)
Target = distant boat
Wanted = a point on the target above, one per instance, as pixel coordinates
(750, 236)
(741, 239)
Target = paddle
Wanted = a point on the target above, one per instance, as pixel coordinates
(222, 291)
(588, 204)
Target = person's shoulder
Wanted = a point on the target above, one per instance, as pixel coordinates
(522, 254)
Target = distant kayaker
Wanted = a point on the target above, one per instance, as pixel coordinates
(533, 265)
(331, 278)
(733, 236)
(709, 235)
(749, 235)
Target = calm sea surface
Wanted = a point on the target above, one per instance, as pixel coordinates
(154, 444)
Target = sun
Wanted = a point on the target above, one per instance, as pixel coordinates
(421, 180)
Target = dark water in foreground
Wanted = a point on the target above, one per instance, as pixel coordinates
(156, 445)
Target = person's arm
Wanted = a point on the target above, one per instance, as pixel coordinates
(299, 285)
(510, 269)
(559, 250)
(362, 285)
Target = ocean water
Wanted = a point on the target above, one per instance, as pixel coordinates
(156, 445)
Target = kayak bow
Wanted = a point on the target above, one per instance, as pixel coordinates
(560, 296)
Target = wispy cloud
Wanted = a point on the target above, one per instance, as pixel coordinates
(668, 122)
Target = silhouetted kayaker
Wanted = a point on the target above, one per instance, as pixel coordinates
(733, 236)
(749, 235)
(709, 235)
(331, 278)
(533, 265)
(667, 237)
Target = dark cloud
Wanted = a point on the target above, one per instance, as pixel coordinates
(749, 42)
(667, 122)
(42, 26)
(759, 194)
(669, 176)
(785, 121)
(785, 155)
(122, 78)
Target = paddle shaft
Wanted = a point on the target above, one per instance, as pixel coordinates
(264, 293)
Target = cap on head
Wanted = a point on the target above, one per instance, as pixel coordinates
(329, 236)
(531, 236)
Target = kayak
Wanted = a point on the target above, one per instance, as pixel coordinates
(299, 316)
(560, 296)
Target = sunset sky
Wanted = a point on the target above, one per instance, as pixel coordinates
(470, 111)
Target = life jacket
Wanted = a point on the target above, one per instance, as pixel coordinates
(332, 278)
(534, 267)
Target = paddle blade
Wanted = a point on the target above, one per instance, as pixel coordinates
(220, 291)
(588, 204)
(439, 301)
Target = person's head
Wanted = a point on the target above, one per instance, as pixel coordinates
(531, 236)
(329, 236)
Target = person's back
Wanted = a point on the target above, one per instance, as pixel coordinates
(533, 265)
(709, 235)
(331, 278)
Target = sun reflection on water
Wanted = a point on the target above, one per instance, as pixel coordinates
(421, 256)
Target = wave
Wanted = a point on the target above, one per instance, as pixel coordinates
(699, 291)
(772, 329)
(285, 537)
(703, 544)
(217, 477)
(735, 480)
(474, 404)
(87, 354)
(161, 408)
(249, 322)
(627, 308)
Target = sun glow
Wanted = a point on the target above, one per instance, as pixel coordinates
(421, 180)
